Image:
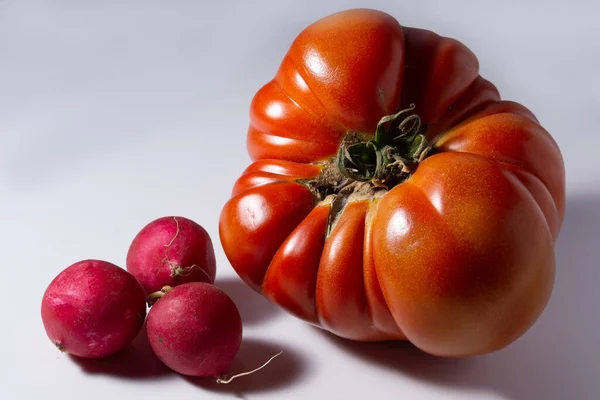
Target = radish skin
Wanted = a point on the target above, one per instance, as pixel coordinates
(170, 251)
(93, 309)
(195, 329)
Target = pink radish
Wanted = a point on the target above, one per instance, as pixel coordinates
(195, 329)
(170, 251)
(93, 308)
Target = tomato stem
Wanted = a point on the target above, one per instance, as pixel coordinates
(366, 166)
(398, 147)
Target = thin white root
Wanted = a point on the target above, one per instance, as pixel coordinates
(178, 270)
(176, 233)
(226, 379)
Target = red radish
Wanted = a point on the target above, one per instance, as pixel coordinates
(93, 308)
(195, 329)
(170, 251)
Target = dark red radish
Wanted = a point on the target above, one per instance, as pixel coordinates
(93, 308)
(170, 251)
(195, 329)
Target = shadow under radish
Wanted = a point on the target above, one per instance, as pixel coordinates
(284, 371)
(137, 361)
(556, 359)
(253, 307)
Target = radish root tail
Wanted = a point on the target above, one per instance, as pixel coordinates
(60, 346)
(178, 270)
(176, 233)
(226, 379)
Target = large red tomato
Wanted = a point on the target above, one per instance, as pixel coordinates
(393, 194)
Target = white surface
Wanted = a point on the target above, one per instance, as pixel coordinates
(115, 113)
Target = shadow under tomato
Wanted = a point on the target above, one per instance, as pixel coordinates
(254, 308)
(284, 371)
(137, 361)
(556, 359)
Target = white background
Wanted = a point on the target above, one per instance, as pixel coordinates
(115, 113)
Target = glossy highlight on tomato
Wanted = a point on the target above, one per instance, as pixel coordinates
(394, 194)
